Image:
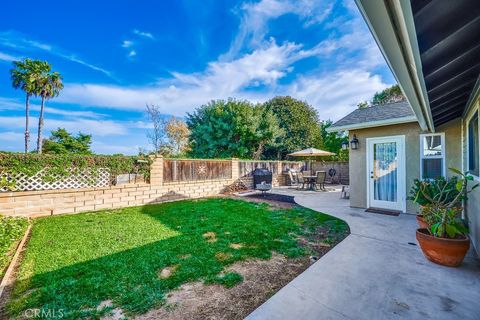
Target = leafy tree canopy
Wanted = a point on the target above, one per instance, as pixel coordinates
(63, 142)
(332, 141)
(388, 95)
(300, 123)
(232, 128)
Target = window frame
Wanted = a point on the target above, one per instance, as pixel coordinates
(443, 156)
(475, 111)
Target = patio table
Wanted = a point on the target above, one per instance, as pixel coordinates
(311, 181)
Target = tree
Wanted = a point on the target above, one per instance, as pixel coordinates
(388, 95)
(332, 141)
(300, 123)
(24, 76)
(363, 105)
(48, 86)
(231, 128)
(63, 142)
(177, 133)
(157, 135)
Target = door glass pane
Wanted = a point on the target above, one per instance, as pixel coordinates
(385, 171)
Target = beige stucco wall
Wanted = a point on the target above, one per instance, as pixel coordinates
(411, 131)
(472, 208)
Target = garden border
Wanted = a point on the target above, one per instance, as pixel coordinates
(8, 276)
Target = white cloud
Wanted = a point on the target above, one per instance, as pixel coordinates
(108, 148)
(14, 104)
(330, 92)
(8, 57)
(21, 42)
(254, 18)
(127, 44)
(184, 92)
(336, 94)
(95, 127)
(132, 53)
(143, 34)
(11, 136)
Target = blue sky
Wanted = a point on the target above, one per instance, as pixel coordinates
(117, 56)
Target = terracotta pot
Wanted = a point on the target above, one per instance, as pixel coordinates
(447, 252)
(421, 222)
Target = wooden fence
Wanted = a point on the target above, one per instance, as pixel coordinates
(195, 170)
(246, 167)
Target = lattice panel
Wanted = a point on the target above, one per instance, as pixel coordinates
(85, 179)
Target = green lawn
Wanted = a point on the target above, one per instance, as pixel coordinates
(74, 262)
(11, 231)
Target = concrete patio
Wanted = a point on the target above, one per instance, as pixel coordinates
(377, 272)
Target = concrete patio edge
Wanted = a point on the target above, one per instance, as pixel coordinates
(377, 272)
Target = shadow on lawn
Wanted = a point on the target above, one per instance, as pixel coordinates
(199, 246)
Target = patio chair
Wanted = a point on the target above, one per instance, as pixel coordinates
(300, 180)
(292, 174)
(345, 181)
(320, 181)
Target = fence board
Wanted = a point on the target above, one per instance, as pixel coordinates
(195, 170)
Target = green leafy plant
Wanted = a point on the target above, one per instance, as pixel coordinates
(442, 203)
(61, 166)
(444, 222)
(439, 190)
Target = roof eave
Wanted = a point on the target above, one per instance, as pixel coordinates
(391, 24)
(372, 124)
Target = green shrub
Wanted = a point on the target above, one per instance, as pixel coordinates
(64, 165)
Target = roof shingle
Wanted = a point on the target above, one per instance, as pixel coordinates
(388, 111)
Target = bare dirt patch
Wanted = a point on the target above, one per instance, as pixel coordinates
(168, 271)
(210, 236)
(261, 279)
(236, 246)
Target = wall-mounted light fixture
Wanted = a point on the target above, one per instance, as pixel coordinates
(354, 143)
(345, 145)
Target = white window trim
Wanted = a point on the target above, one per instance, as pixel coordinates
(443, 156)
(475, 110)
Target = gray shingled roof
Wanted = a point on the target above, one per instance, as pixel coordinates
(388, 111)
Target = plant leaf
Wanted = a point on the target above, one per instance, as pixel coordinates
(454, 170)
(459, 185)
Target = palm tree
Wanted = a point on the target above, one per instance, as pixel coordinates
(24, 76)
(49, 86)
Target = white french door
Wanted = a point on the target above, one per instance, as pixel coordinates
(386, 173)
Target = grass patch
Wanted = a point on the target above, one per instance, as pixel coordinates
(11, 231)
(229, 279)
(74, 262)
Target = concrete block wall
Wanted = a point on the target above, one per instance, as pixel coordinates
(51, 202)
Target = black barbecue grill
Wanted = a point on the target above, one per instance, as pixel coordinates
(262, 179)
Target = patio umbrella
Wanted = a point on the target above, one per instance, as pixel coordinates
(311, 153)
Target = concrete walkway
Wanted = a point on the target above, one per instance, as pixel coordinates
(374, 274)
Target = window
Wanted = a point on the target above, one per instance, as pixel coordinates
(473, 145)
(432, 155)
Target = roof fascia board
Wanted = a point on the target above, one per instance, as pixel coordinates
(474, 96)
(372, 124)
(397, 42)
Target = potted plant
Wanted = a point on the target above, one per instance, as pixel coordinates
(445, 241)
(430, 191)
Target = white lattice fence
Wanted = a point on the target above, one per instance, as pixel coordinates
(84, 179)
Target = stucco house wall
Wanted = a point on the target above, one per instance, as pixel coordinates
(472, 208)
(411, 131)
